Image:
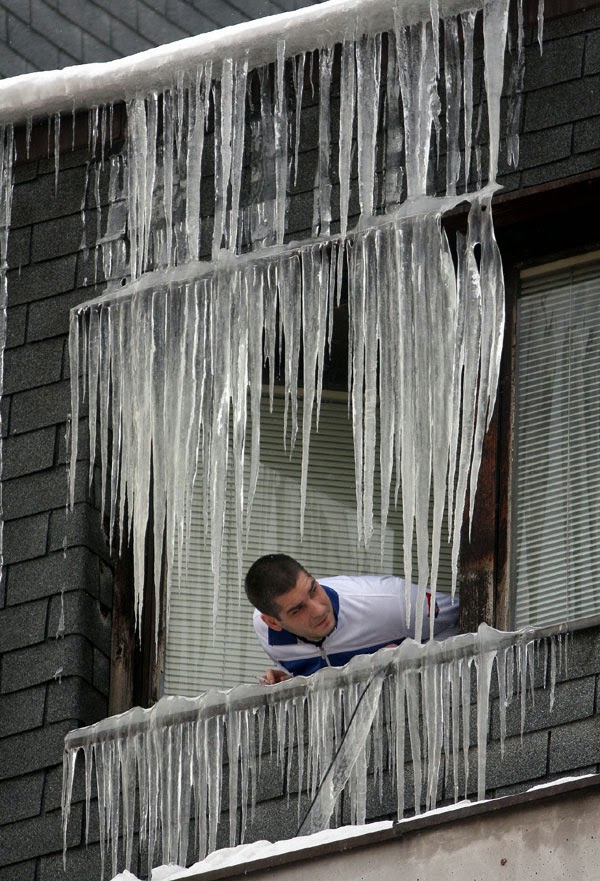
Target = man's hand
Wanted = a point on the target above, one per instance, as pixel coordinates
(273, 676)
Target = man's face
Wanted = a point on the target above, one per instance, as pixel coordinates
(304, 610)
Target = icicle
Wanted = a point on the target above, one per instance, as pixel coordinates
(484, 661)
(299, 66)
(453, 101)
(347, 104)
(413, 699)
(177, 751)
(388, 324)
(495, 23)
(466, 365)
(356, 357)
(315, 282)
(443, 338)
(455, 704)
(323, 191)
(368, 78)
(515, 102)
(423, 309)
(417, 61)
(502, 699)
(256, 322)
(466, 717)
(221, 316)
(416, 424)
(394, 167)
(280, 123)
(239, 373)
(7, 153)
(351, 746)
(372, 268)
(552, 672)
(467, 20)
(237, 136)
(195, 149)
(492, 332)
(74, 348)
(290, 299)
(168, 100)
(400, 707)
(95, 348)
(28, 129)
(56, 123)
(69, 760)
(540, 25)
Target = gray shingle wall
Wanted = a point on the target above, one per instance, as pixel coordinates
(56, 598)
(560, 117)
(49, 274)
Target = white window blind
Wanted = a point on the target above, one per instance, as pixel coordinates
(556, 484)
(194, 660)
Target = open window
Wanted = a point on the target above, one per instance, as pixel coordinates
(198, 657)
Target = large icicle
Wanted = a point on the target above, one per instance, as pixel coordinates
(7, 151)
(178, 755)
(184, 345)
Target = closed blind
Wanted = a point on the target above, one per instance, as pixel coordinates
(556, 486)
(197, 659)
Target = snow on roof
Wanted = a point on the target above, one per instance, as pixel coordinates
(245, 854)
(48, 92)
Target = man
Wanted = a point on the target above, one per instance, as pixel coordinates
(304, 624)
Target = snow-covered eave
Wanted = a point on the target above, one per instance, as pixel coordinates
(334, 842)
(42, 94)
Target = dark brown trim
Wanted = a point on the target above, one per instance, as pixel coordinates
(533, 226)
(476, 576)
(502, 600)
(123, 635)
(137, 656)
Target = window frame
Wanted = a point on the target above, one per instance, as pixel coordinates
(531, 231)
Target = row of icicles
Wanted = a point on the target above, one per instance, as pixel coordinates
(401, 717)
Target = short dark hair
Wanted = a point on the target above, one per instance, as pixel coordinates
(270, 577)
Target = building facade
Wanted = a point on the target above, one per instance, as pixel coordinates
(69, 652)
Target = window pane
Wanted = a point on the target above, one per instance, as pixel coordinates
(556, 482)
(194, 659)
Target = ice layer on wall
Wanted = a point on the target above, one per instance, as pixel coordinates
(174, 360)
(417, 715)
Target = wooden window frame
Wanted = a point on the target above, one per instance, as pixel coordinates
(531, 230)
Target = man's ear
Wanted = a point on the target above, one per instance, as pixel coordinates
(271, 622)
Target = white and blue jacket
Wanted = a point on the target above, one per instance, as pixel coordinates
(369, 613)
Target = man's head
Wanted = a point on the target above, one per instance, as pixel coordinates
(289, 598)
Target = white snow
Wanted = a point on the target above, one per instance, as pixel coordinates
(48, 92)
(263, 850)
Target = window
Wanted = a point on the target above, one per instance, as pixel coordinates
(556, 472)
(195, 660)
